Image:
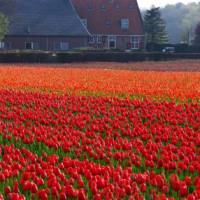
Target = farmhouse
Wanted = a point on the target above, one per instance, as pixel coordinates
(43, 25)
(112, 23)
(67, 24)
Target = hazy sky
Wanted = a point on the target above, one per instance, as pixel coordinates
(148, 3)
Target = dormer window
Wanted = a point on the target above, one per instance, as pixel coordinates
(124, 23)
(103, 7)
(28, 29)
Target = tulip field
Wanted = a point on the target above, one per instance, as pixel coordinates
(99, 133)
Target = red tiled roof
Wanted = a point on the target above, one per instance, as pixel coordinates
(104, 16)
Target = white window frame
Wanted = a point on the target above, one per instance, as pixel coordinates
(91, 39)
(112, 38)
(96, 39)
(63, 46)
(125, 23)
(2, 45)
(99, 39)
(32, 45)
(135, 42)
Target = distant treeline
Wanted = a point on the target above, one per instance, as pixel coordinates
(181, 21)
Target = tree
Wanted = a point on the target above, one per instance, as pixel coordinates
(197, 35)
(3, 26)
(154, 26)
(173, 16)
(181, 20)
(3, 19)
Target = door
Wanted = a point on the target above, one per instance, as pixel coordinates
(112, 42)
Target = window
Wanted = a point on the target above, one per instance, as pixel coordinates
(28, 29)
(84, 22)
(63, 46)
(56, 46)
(117, 6)
(95, 39)
(36, 45)
(135, 42)
(2, 45)
(6, 45)
(131, 6)
(29, 45)
(108, 23)
(112, 40)
(124, 23)
(103, 7)
(99, 39)
(90, 7)
(91, 39)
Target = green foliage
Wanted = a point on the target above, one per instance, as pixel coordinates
(155, 27)
(181, 20)
(3, 25)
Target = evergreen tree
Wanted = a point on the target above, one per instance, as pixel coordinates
(197, 35)
(3, 25)
(155, 27)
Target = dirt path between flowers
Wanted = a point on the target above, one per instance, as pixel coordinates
(176, 66)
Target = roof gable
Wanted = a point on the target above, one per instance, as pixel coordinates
(43, 18)
(104, 16)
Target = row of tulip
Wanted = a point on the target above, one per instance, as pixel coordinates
(25, 175)
(60, 147)
(159, 86)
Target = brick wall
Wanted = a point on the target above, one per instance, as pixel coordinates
(122, 42)
(44, 43)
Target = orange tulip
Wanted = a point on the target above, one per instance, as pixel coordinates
(102, 82)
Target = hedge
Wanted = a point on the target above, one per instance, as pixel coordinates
(64, 57)
(179, 48)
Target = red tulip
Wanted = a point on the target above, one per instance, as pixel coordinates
(34, 188)
(191, 197)
(188, 180)
(81, 195)
(183, 190)
(143, 188)
(7, 189)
